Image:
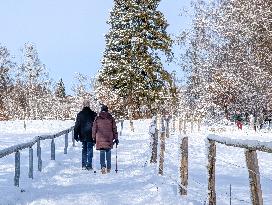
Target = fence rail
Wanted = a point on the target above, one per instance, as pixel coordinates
(250, 146)
(247, 144)
(16, 149)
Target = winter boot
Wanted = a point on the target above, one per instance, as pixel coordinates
(103, 170)
(89, 168)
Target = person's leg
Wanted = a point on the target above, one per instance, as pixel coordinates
(108, 157)
(102, 158)
(102, 161)
(84, 154)
(89, 155)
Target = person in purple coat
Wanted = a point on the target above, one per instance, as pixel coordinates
(104, 133)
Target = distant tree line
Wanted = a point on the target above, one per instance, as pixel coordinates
(27, 92)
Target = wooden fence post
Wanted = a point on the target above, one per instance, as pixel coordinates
(66, 143)
(154, 147)
(211, 173)
(131, 124)
(53, 148)
(254, 177)
(17, 168)
(30, 171)
(73, 139)
(39, 155)
(184, 166)
(162, 149)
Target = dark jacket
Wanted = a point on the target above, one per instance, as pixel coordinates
(83, 125)
(104, 131)
(238, 117)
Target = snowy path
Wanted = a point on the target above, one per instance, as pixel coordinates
(75, 185)
(63, 182)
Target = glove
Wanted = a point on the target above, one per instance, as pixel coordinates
(116, 141)
(76, 138)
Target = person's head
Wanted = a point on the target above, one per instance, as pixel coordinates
(104, 108)
(86, 103)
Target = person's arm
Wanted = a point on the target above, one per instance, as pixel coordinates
(77, 127)
(114, 130)
(94, 130)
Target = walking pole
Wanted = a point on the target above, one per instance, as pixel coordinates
(116, 170)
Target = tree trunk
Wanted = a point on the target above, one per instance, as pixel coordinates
(180, 125)
(184, 126)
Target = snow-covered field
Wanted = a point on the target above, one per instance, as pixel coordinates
(137, 182)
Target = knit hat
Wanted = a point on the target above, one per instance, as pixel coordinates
(86, 103)
(104, 108)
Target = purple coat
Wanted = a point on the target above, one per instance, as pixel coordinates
(104, 131)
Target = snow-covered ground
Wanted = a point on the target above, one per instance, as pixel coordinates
(137, 182)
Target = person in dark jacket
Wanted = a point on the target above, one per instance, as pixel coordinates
(83, 133)
(104, 132)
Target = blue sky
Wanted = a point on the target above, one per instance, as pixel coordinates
(69, 34)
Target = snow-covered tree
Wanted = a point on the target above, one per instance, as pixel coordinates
(60, 89)
(232, 40)
(132, 74)
(33, 83)
(248, 31)
(5, 79)
(194, 61)
(83, 88)
(29, 94)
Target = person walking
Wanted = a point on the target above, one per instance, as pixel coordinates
(238, 119)
(104, 132)
(83, 133)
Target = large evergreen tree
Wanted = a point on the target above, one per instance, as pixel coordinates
(132, 74)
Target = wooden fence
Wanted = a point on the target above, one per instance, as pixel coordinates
(161, 133)
(17, 148)
(250, 146)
